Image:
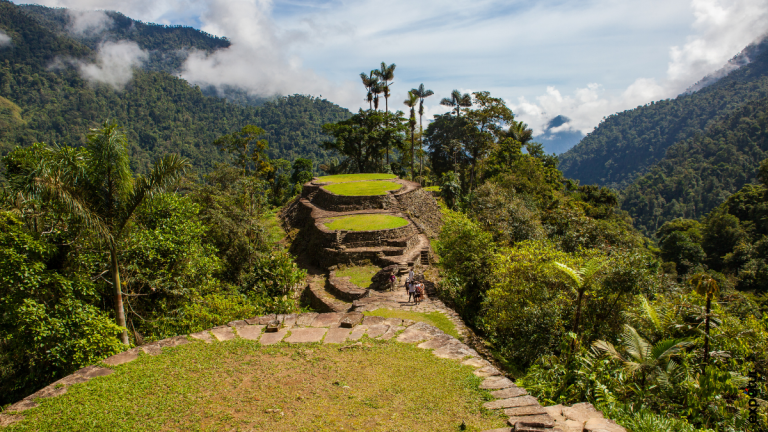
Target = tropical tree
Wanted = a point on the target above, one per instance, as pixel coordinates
(248, 149)
(642, 356)
(97, 188)
(422, 93)
(707, 287)
(520, 132)
(457, 101)
(411, 103)
(369, 82)
(490, 117)
(386, 73)
(581, 280)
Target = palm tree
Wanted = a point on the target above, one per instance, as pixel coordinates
(97, 188)
(582, 279)
(422, 94)
(411, 103)
(457, 100)
(706, 286)
(377, 89)
(642, 356)
(520, 132)
(369, 81)
(386, 73)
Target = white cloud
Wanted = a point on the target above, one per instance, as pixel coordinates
(88, 22)
(114, 64)
(5, 40)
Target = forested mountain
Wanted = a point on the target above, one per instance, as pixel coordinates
(43, 97)
(625, 145)
(701, 172)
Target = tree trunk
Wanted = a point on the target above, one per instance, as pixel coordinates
(706, 337)
(412, 176)
(119, 312)
(578, 313)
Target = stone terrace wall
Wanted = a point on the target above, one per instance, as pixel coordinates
(344, 203)
(421, 206)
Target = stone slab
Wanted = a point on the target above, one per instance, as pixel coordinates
(336, 335)
(602, 425)
(305, 319)
(377, 330)
(455, 351)
(273, 338)
(238, 323)
(408, 323)
(173, 341)
(509, 392)
(418, 332)
(289, 321)
(358, 332)
(250, 332)
(152, 349)
(52, 390)
(7, 420)
(123, 357)
(476, 362)
(328, 319)
(581, 412)
(373, 320)
(511, 402)
(351, 319)
(89, 372)
(392, 332)
(306, 335)
(203, 336)
(500, 430)
(266, 319)
(252, 321)
(223, 333)
(496, 383)
(537, 420)
(393, 322)
(438, 342)
(487, 371)
(526, 411)
(22, 405)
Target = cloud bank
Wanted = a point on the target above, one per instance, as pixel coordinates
(83, 22)
(5, 40)
(114, 64)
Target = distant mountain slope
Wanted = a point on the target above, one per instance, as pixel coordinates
(161, 113)
(627, 144)
(701, 172)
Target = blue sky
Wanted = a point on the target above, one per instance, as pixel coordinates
(581, 59)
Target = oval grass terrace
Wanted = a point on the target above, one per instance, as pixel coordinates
(363, 188)
(366, 222)
(344, 178)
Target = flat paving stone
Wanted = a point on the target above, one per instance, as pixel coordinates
(351, 319)
(377, 330)
(358, 332)
(173, 341)
(476, 362)
(392, 332)
(253, 321)
(418, 332)
(89, 372)
(511, 402)
(306, 335)
(438, 342)
(23, 405)
(500, 430)
(456, 351)
(394, 322)
(273, 338)
(496, 383)
(487, 371)
(602, 425)
(152, 349)
(223, 333)
(305, 319)
(337, 335)
(536, 420)
(373, 320)
(581, 412)
(510, 392)
(327, 319)
(266, 319)
(123, 357)
(238, 323)
(251, 332)
(203, 336)
(7, 420)
(290, 320)
(526, 411)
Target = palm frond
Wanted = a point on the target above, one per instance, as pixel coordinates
(637, 347)
(573, 274)
(668, 347)
(609, 349)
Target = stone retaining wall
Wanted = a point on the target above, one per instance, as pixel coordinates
(342, 288)
(423, 209)
(343, 203)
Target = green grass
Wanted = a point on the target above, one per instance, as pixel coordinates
(271, 221)
(436, 319)
(359, 275)
(366, 222)
(230, 386)
(344, 178)
(367, 188)
(432, 188)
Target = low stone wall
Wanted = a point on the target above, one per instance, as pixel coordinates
(343, 203)
(422, 208)
(342, 288)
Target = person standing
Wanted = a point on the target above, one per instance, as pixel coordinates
(411, 291)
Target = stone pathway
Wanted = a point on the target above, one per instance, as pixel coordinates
(524, 411)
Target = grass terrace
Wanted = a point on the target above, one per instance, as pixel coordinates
(367, 188)
(359, 275)
(344, 178)
(432, 188)
(241, 386)
(366, 222)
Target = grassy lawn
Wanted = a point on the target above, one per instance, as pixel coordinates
(432, 188)
(241, 386)
(359, 275)
(366, 222)
(363, 188)
(343, 178)
(436, 319)
(275, 232)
